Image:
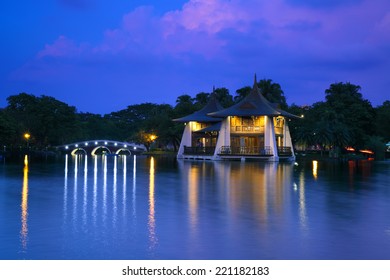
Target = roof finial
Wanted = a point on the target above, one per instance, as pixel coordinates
(255, 83)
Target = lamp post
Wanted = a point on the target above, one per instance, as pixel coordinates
(27, 137)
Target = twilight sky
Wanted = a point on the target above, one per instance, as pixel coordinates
(102, 56)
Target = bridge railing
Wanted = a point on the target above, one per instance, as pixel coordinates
(111, 145)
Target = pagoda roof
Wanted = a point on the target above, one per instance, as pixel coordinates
(254, 104)
(202, 115)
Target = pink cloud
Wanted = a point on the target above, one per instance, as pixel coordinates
(201, 26)
(209, 16)
(62, 47)
(138, 32)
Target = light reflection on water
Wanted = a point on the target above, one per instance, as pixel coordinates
(201, 210)
(24, 207)
(151, 217)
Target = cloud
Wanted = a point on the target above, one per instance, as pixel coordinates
(208, 16)
(295, 43)
(219, 29)
(206, 27)
(62, 47)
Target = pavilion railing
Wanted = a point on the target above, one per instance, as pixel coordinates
(284, 151)
(243, 150)
(199, 150)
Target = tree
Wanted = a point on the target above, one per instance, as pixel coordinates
(49, 121)
(241, 93)
(201, 100)
(354, 113)
(382, 120)
(7, 129)
(272, 92)
(184, 105)
(224, 97)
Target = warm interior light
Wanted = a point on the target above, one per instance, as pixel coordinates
(366, 152)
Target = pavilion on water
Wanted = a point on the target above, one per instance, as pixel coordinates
(254, 128)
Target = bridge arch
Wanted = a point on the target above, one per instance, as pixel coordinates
(78, 151)
(122, 151)
(104, 148)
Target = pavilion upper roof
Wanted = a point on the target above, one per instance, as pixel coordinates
(254, 104)
(202, 115)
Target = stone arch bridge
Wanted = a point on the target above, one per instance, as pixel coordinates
(95, 147)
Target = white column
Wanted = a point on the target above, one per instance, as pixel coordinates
(186, 139)
(288, 141)
(223, 136)
(269, 136)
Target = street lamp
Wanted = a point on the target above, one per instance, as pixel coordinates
(27, 137)
(153, 137)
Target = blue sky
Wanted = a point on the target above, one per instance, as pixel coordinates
(102, 56)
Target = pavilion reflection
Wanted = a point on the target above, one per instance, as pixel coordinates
(256, 187)
(24, 206)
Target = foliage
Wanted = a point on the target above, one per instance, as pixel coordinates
(354, 113)
(271, 91)
(224, 97)
(382, 123)
(49, 121)
(345, 118)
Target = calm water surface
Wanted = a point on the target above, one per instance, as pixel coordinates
(159, 208)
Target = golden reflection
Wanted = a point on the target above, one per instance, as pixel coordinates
(152, 219)
(193, 186)
(24, 206)
(251, 182)
(315, 169)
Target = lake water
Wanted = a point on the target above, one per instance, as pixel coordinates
(159, 208)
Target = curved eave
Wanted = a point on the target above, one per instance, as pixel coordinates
(288, 115)
(194, 118)
(250, 113)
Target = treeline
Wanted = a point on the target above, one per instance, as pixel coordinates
(345, 118)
